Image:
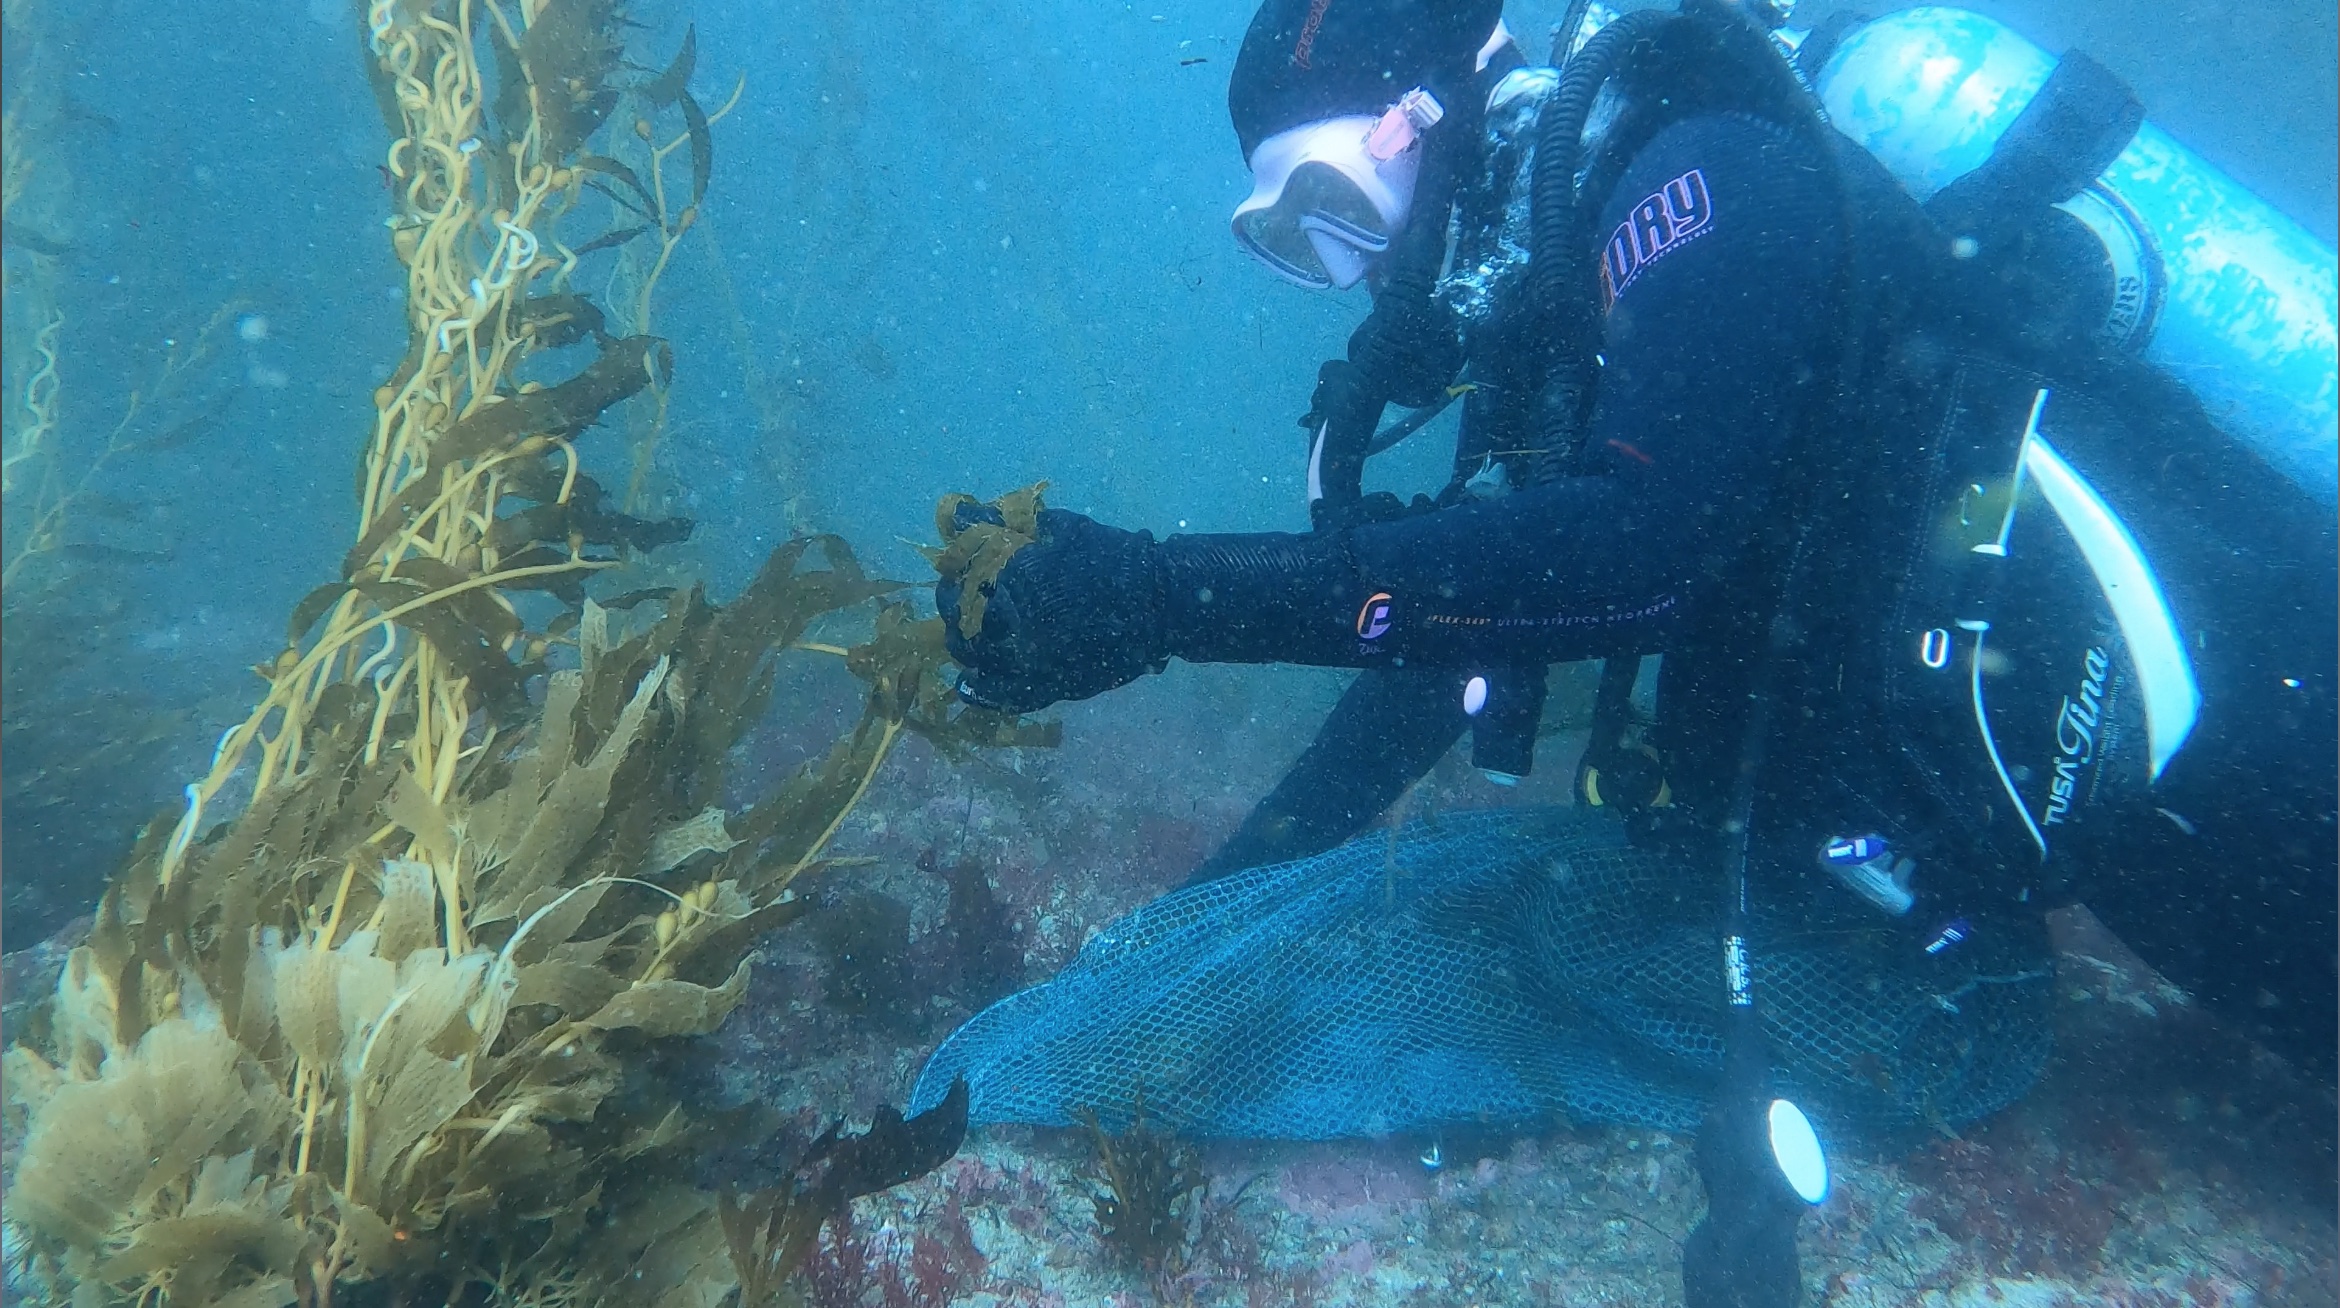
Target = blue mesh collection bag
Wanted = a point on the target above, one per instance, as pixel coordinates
(1494, 968)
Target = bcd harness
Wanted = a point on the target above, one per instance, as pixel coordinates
(1994, 241)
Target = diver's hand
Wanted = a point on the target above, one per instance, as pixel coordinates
(1411, 349)
(1346, 398)
(1073, 614)
(1341, 417)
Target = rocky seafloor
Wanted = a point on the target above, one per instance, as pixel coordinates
(2160, 1162)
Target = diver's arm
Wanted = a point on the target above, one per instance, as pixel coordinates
(1713, 337)
(1534, 577)
(1580, 568)
(1087, 607)
(1718, 328)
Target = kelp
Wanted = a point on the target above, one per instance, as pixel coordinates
(640, 264)
(978, 540)
(564, 318)
(702, 150)
(768, 1232)
(661, 90)
(1147, 1202)
(200, 426)
(448, 607)
(612, 239)
(89, 511)
(460, 633)
(608, 167)
(570, 55)
(58, 512)
(583, 519)
(532, 418)
(399, 1022)
(909, 653)
(301, 1043)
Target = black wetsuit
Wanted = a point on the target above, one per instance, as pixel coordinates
(1722, 246)
(1721, 249)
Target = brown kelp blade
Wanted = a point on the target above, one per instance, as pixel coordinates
(611, 168)
(661, 91)
(622, 368)
(611, 239)
(734, 645)
(769, 1232)
(702, 148)
(907, 655)
(557, 523)
(570, 53)
(474, 653)
(561, 319)
(973, 555)
(894, 1149)
(188, 431)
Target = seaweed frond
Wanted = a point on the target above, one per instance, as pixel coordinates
(977, 545)
(404, 1024)
(768, 1232)
(1151, 1193)
(572, 54)
(417, 1029)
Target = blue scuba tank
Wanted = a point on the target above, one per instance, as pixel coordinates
(2213, 286)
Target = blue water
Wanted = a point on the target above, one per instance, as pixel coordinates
(949, 245)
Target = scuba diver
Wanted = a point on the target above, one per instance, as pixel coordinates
(1976, 595)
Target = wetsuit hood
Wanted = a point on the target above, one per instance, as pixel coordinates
(1304, 61)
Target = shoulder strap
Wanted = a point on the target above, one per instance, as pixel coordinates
(1813, 55)
(2078, 123)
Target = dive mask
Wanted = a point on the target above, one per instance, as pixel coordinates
(1328, 196)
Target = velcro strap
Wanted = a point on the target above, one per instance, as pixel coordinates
(2078, 123)
(1819, 47)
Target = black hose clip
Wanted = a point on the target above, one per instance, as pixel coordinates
(1620, 770)
(1505, 705)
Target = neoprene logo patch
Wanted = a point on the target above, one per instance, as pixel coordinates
(1373, 618)
(1667, 219)
(1306, 42)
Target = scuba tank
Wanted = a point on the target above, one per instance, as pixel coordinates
(2208, 283)
(2092, 611)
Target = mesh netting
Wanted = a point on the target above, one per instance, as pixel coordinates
(1489, 968)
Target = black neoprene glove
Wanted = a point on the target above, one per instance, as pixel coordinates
(1073, 614)
(1345, 409)
(1410, 347)
(1405, 352)
(1086, 607)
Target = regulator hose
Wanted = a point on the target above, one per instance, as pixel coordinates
(1404, 311)
(1560, 275)
(1564, 34)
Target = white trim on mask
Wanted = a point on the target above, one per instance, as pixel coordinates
(1321, 206)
